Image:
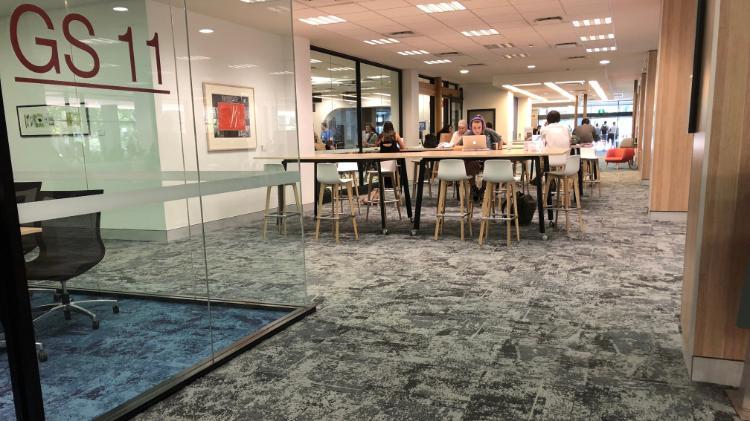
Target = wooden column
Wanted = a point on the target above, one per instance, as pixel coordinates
(670, 167)
(438, 104)
(575, 115)
(648, 116)
(585, 105)
(718, 232)
(635, 107)
(641, 116)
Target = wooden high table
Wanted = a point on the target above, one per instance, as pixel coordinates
(540, 159)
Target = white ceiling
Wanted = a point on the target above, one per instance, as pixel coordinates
(635, 25)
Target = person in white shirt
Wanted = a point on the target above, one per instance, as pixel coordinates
(556, 135)
(459, 134)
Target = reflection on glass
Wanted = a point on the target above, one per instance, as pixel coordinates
(380, 96)
(334, 100)
(124, 214)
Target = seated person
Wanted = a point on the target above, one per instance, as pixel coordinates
(556, 135)
(474, 167)
(390, 140)
(457, 138)
(371, 136)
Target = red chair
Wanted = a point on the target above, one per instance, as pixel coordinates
(618, 156)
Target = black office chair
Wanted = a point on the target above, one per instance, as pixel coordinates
(68, 247)
(27, 192)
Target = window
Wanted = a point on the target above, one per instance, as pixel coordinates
(349, 93)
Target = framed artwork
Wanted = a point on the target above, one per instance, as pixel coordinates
(53, 120)
(230, 117)
(487, 113)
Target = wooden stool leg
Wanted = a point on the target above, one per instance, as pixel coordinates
(578, 204)
(469, 207)
(397, 193)
(461, 193)
(485, 213)
(336, 194)
(265, 212)
(351, 208)
(442, 191)
(355, 182)
(369, 197)
(320, 210)
(515, 212)
(566, 183)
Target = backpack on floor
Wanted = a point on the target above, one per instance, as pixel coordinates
(526, 208)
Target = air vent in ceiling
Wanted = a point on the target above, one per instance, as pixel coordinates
(566, 45)
(475, 65)
(402, 34)
(548, 20)
(500, 45)
(448, 54)
(576, 58)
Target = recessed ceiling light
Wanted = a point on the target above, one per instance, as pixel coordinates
(480, 32)
(441, 61)
(206, 31)
(600, 37)
(340, 69)
(601, 50)
(120, 9)
(314, 60)
(598, 89)
(242, 66)
(382, 41)
(463, 71)
(413, 52)
(322, 20)
(531, 66)
(516, 55)
(441, 7)
(604, 62)
(592, 22)
(524, 92)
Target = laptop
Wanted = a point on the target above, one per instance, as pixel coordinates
(475, 143)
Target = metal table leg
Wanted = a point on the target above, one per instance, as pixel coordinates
(405, 186)
(420, 191)
(539, 198)
(381, 188)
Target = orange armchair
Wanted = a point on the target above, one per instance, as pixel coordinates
(618, 156)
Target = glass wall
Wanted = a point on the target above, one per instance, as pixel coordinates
(340, 115)
(618, 114)
(139, 133)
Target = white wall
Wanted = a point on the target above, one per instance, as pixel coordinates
(273, 81)
(410, 98)
(477, 96)
(524, 115)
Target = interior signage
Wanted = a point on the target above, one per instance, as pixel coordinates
(54, 63)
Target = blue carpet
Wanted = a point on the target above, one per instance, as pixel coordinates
(90, 371)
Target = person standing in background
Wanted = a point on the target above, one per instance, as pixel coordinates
(585, 132)
(605, 132)
(612, 134)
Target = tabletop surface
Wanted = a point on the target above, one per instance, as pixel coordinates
(430, 153)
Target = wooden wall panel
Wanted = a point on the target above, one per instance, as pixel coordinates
(672, 144)
(725, 226)
(641, 118)
(648, 115)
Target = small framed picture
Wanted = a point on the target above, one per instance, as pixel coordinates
(53, 120)
(230, 117)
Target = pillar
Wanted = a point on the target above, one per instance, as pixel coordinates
(647, 134)
(671, 154)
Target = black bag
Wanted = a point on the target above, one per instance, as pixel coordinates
(526, 208)
(430, 141)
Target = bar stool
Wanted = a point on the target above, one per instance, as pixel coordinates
(590, 163)
(449, 171)
(567, 186)
(350, 170)
(427, 180)
(499, 174)
(281, 212)
(389, 170)
(328, 175)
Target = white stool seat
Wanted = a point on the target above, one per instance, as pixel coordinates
(329, 174)
(498, 171)
(572, 166)
(452, 170)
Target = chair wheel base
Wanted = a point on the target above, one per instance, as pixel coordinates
(115, 309)
(95, 324)
(545, 237)
(41, 356)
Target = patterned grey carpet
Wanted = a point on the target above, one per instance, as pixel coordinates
(583, 326)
